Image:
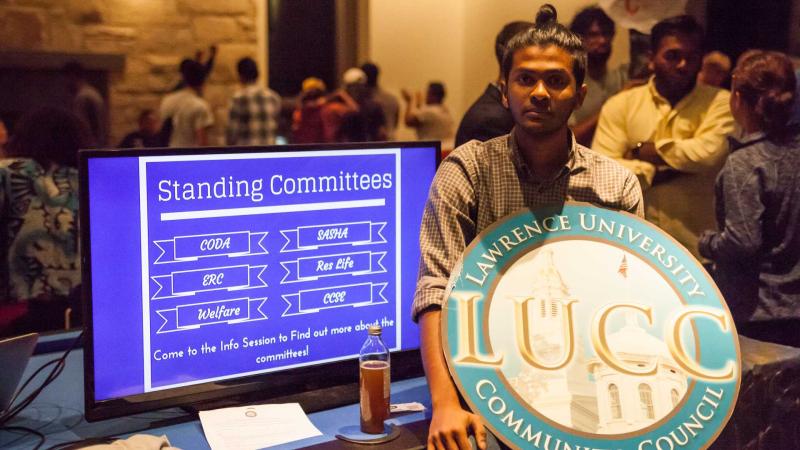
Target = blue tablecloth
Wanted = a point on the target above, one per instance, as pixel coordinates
(58, 413)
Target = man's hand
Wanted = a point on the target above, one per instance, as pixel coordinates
(450, 429)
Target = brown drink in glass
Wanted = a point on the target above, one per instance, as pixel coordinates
(374, 382)
(374, 389)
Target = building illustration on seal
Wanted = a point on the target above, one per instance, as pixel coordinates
(587, 395)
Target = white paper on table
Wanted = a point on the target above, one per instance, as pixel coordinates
(255, 427)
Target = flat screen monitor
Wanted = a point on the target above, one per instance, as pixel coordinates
(245, 273)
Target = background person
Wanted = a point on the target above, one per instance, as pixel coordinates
(431, 120)
(87, 103)
(186, 114)
(671, 133)
(341, 103)
(756, 251)
(597, 31)
(487, 118)
(387, 101)
(208, 65)
(40, 264)
(148, 133)
(716, 70)
(307, 117)
(253, 110)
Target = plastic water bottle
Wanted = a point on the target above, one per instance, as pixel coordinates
(374, 382)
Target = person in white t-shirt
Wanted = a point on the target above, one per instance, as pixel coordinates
(187, 116)
(432, 120)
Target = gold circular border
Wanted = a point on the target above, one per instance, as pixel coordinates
(544, 240)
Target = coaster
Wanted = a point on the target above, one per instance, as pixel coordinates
(353, 433)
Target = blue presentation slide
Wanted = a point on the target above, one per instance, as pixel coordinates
(246, 263)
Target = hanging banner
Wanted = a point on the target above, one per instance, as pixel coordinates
(578, 327)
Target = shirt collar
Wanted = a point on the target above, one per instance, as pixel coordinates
(576, 162)
(651, 86)
(744, 140)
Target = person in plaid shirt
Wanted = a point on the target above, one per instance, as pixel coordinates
(539, 163)
(253, 113)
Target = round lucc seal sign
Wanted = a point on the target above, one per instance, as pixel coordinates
(577, 327)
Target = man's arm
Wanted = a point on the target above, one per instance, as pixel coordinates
(611, 139)
(632, 200)
(209, 65)
(707, 148)
(412, 106)
(450, 423)
(447, 226)
(611, 134)
(347, 100)
(644, 151)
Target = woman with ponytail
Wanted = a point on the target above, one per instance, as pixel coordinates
(756, 252)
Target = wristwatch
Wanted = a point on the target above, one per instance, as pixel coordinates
(636, 151)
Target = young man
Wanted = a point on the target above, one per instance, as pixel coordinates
(341, 103)
(148, 133)
(87, 103)
(487, 118)
(671, 133)
(538, 163)
(253, 111)
(597, 31)
(431, 120)
(189, 114)
(387, 101)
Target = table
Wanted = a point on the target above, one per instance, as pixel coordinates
(767, 414)
(58, 414)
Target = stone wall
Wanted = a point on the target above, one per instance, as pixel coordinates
(154, 35)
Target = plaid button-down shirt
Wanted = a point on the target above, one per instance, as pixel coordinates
(252, 118)
(482, 182)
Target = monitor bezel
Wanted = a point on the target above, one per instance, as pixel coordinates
(250, 389)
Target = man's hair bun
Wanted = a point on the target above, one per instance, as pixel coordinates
(546, 15)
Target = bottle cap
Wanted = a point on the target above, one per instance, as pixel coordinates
(374, 330)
